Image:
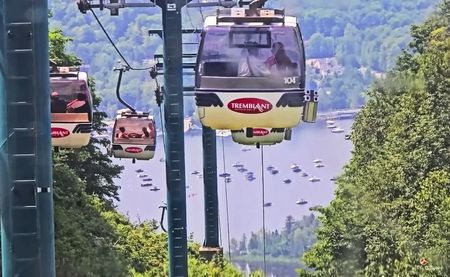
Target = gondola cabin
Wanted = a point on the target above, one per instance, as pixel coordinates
(250, 70)
(261, 136)
(71, 107)
(134, 136)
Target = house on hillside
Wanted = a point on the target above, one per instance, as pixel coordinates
(326, 66)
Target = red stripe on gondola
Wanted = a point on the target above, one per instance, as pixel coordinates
(57, 132)
(260, 132)
(133, 150)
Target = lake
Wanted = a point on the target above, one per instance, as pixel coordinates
(309, 142)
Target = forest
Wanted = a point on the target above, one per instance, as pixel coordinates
(288, 243)
(361, 37)
(391, 212)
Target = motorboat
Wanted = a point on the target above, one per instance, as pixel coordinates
(314, 179)
(287, 181)
(337, 130)
(301, 202)
(242, 169)
(223, 133)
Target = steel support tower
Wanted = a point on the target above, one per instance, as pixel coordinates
(27, 231)
(174, 134)
(211, 245)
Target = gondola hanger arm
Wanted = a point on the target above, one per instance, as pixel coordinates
(121, 69)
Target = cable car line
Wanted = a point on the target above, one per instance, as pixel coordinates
(263, 208)
(191, 23)
(226, 199)
(114, 45)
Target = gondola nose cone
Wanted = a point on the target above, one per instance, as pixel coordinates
(260, 132)
(133, 150)
(57, 132)
(250, 105)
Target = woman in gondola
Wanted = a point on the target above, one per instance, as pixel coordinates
(279, 59)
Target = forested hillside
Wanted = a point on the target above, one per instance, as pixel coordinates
(290, 242)
(361, 37)
(391, 214)
(91, 237)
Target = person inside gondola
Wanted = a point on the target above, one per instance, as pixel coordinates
(122, 133)
(279, 62)
(252, 65)
(149, 132)
(79, 105)
(57, 105)
(146, 132)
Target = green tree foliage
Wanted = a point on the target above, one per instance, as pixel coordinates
(392, 203)
(84, 240)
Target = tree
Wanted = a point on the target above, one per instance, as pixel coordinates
(243, 244)
(393, 196)
(253, 243)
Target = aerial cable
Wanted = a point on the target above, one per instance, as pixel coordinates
(263, 209)
(162, 128)
(226, 200)
(114, 45)
(201, 14)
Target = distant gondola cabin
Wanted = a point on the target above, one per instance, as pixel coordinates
(261, 136)
(250, 70)
(134, 135)
(71, 107)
